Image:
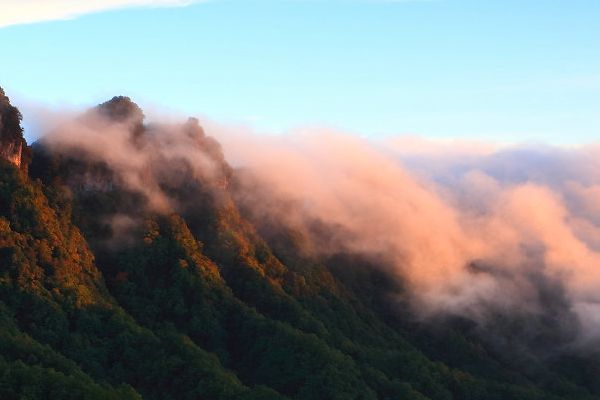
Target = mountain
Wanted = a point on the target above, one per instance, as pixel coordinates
(131, 268)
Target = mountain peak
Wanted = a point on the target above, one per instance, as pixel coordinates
(121, 109)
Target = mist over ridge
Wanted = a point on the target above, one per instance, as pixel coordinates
(470, 230)
(299, 200)
(261, 266)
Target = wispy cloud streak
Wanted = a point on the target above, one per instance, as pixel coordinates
(15, 12)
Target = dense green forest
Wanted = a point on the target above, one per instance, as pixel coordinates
(196, 303)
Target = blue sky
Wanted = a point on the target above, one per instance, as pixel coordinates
(505, 70)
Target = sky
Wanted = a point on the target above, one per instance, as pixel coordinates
(504, 70)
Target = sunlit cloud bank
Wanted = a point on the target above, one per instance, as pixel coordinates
(14, 12)
(470, 229)
(473, 228)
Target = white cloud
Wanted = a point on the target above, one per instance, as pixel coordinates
(14, 12)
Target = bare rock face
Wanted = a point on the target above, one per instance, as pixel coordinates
(12, 152)
(12, 143)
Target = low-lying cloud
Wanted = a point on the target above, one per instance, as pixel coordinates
(472, 228)
(469, 228)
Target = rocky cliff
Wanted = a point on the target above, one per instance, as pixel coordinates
(12, 144)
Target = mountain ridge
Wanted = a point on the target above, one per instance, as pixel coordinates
(149, 280)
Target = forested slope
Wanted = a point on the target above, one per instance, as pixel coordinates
(107, 292)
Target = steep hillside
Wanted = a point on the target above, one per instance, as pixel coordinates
(144, 277)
